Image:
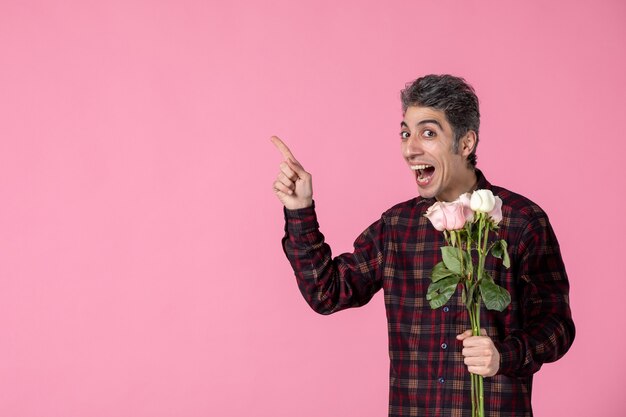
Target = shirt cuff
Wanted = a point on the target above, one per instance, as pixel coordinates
(510, 351)
(300, 221)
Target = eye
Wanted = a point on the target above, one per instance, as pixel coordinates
(429, 133)
(405, 135)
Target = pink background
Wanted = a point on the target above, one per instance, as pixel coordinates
(141, 272)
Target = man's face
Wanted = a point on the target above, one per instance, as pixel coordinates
(427, 141)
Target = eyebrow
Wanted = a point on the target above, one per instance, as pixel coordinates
(423, 122)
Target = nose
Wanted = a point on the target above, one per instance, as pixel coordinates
(411, 148)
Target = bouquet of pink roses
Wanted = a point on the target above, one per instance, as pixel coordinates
(466, 224)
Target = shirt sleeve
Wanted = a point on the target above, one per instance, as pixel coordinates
(331, 284)
(548, 330)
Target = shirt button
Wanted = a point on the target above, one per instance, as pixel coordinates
(446, 309)
(444, 346)
(441, 380)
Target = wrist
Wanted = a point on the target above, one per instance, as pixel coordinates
(509, 352)
(299, 205)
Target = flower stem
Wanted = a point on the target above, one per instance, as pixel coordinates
(473, 391)
(473, 307)
(477, 389)
(481, 394)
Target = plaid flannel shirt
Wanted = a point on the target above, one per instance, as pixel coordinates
(397, 253)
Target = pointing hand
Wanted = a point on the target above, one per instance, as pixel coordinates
(293, 185)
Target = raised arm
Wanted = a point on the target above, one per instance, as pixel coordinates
(328, 284)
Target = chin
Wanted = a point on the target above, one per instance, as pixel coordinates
(426, 193)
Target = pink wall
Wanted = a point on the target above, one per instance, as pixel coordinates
(141, 272)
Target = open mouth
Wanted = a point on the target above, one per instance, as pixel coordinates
(423, 173)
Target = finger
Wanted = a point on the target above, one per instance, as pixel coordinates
(464, 335)
(295, 165)
(476, 341)
(286, 181)
(476, 352)
(477, 370)
(475, 361)
(279, 187)
(282, 147)
(483, 332)
(288, 172)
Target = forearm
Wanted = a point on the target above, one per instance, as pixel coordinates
(524, 351)
(329, 284)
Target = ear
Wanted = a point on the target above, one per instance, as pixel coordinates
(468, 143)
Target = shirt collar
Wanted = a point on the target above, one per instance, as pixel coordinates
(481, 181)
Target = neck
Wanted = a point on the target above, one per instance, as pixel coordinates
(468, 182)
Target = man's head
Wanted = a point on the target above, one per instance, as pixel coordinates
(454, 97)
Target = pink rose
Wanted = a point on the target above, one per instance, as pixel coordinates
(447, 216)
(465, 200)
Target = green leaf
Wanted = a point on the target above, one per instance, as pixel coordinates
(440, 271)
(497, 250)
(440, 292)
(451, 259)
(506, 261)
(487, 277)
(494, 296)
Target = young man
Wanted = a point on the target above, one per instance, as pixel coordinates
(432, 351)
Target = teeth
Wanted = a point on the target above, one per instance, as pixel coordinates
(416, 167)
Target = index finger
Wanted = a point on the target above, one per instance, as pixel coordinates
(464, 335)
(282, 148)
